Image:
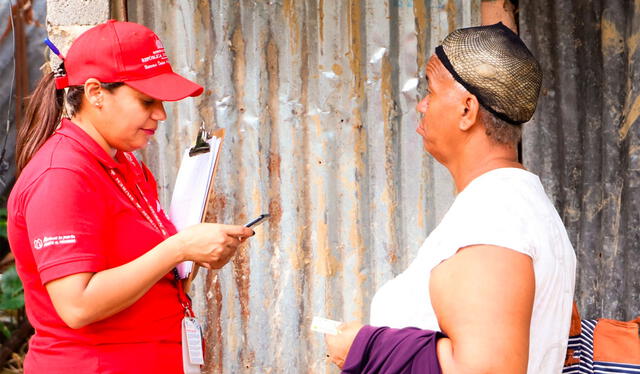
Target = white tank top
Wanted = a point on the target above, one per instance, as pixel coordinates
(508, 208)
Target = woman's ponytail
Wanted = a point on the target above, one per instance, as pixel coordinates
(41, 118)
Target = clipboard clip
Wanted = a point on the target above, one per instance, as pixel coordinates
(201, 142)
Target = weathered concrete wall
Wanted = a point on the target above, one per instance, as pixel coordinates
(66, 19)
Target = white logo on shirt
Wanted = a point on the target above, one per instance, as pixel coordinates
(53, 240)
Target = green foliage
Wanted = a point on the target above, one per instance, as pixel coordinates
(3, 222)
(11, 291)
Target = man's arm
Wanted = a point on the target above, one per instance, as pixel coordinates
(483, 298)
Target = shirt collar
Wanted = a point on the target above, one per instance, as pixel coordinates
(73, 131)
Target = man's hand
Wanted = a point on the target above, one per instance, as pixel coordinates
(340, 344)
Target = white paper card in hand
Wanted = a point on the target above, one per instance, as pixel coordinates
(325, 326)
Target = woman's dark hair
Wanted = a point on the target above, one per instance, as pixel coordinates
(43, 113)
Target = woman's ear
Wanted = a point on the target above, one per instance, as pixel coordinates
(470, 112)
(93, 92)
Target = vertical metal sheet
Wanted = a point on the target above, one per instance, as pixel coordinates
(584, 140)
(317, 98)
(34, 32)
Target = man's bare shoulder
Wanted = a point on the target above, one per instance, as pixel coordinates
(483, 299)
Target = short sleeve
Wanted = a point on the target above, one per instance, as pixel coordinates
(66, 219)
(497, 216)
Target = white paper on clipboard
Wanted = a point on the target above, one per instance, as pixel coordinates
(192, 189)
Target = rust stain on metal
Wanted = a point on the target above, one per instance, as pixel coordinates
(289, 9)
(632, 43)
(420, 13)
(630, 117)
(275, 208)
(241, 271)
(355, 47)
(326, 265)
(320, 23)
(201, 25)
(388, 116)
(215, 206)
(215, 344)
(274, 104)
(300, 255)
(274, 160)
(451, 10)
(238, 48)
(357, 243)
(337, 69)
(317, 124)
(611, 38)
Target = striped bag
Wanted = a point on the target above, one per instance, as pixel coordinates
(603, 346)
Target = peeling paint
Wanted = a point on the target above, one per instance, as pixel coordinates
(612, 40)
(289, 10)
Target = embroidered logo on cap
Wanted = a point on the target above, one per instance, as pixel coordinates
(158, 57)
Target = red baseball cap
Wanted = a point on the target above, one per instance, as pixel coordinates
(125, 52)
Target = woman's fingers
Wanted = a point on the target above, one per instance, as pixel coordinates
(238, 231)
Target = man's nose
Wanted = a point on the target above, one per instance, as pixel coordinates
(422, 105)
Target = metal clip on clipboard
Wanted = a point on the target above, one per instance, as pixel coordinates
(201, 142)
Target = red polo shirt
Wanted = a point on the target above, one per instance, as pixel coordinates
(67, 216)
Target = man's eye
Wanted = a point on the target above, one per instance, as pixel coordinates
(148, 102)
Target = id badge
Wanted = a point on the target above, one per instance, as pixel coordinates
(192, 355)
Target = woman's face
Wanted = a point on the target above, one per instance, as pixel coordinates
(128, 118)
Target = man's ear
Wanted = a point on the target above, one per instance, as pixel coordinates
(93, 92)
(470, 109)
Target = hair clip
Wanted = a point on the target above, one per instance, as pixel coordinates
(60, 71)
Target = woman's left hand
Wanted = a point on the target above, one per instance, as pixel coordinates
(339, 345)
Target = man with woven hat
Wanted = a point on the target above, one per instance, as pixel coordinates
(491, 288)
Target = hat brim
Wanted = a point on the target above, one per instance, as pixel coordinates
(166, 87)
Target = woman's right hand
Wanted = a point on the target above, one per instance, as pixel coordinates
(211, 245)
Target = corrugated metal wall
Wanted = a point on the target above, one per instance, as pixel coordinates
(584, 140)
(28, 33)
(318, 100)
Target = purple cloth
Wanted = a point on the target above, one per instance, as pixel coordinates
(383, 350)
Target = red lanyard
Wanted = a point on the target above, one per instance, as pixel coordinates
(155, 221)
(157, 224)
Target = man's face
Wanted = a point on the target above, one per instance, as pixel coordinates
(439, 109)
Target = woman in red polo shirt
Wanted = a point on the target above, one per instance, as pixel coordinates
(93, 247)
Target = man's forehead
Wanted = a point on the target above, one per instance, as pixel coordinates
(435, 69)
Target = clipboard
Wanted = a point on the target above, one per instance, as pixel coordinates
(193, 188)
